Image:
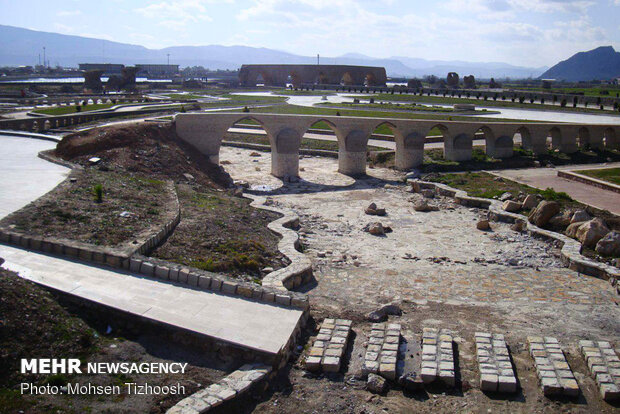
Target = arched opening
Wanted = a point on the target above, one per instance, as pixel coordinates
(370, 79)
(321, 134)
(523, 138)
(294, 79)
(385, 141)
(347, 79)
(260, 80)
(554, 139)
(249, 130)
(583, 138)
(484, 142)
(35, 126)
(321, 79)
(435, 139)
(610, 139)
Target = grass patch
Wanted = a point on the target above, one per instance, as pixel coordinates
(72, 109)
(611, 175)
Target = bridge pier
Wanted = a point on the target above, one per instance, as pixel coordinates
(351, 163)
(409, 151)
(502, 147)
(285, 152)
(458, 148)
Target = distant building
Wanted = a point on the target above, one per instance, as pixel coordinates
(157, 70)
(106, 68)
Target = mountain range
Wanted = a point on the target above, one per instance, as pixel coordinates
(600, 63)
(19, 46)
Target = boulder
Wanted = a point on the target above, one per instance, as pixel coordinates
(381, 314)
(511, 206)
(483, 225)
(519, 226)
(415, 187)
(543, 213)
(561, 220)
(530, 202)
(254, 154)
(375, 228)
(580, 215)
(571, 230)
(372, 210)
(609, 245)
(590, 232)
(505, 196)
(422, 205)
(376, 384)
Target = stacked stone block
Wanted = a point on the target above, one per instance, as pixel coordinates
(604, 365)
(329, 346)
(235, 384)
(437, 356)
(554, 373)
(382, 351)
(496, 371)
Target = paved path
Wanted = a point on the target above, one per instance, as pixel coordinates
(25, 177)
(228, 318)
(548, 177)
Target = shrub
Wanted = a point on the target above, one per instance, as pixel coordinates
(246, 109)
(98, 192)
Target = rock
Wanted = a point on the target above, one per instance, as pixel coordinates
(375, 228)
(580, 215)
(411, 382)
(376, 384)
(381, 314)
(537, 164)
(511, 206)
(609, 245)
(372, 210)
(561, 220)
(428, 193)
(590, 232)
(268, 270)
(543, 213)
(422, 205)
(530, 202)
(320, 254)
(241, 183)
(255, 154)
(571, 230)
(498, 179)
(225, 162)
(483, 225)
(519, 226)
(505, 196)
(415, 187)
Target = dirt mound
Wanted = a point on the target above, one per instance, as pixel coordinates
(151, 149)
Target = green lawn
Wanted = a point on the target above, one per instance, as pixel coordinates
(64, 110)
(303, 93)
(611, 175)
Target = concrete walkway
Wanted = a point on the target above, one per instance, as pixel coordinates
(249, 324)
(24, 177)
(543, 178)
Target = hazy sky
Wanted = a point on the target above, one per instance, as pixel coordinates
(521, 32)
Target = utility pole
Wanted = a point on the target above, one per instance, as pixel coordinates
(317, 59)
(44, 64)
(168, 54)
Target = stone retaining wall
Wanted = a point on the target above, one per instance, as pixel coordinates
(571, 249)
(299, 272)
(240, 382)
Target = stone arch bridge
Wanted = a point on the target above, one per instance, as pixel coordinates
(279, 75)
(205, 132)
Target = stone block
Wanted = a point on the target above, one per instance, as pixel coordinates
(331, 364)
(204, 282)
(283, 299)
(134, 265)
(174, 274)
(489, 382)
(216, 284)
(161, 272)
(244, 290)
(507, 384)
(147, 268)
(229, 287)
(313, 363)
(192, 279)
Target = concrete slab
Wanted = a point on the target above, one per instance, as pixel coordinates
(24, 176)
(254, 325)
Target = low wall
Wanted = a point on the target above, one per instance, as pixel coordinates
(575, 176)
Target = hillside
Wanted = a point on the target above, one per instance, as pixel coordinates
(22, 47)
(601, 63)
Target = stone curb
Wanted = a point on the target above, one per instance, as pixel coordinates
(571, 249)
(575, 176)
(299, 272)
(234, 385)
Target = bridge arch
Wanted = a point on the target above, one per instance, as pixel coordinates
(611, 139)
(554, 138)
(583, 138)
(347, 79)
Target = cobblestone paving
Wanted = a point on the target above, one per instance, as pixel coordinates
(329, 346)
(382, 352)
(496, 373)
(554, 373)
(437, 356)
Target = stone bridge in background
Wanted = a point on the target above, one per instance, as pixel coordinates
(280, 75)
(205, 132)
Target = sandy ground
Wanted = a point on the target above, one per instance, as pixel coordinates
(443, 272)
